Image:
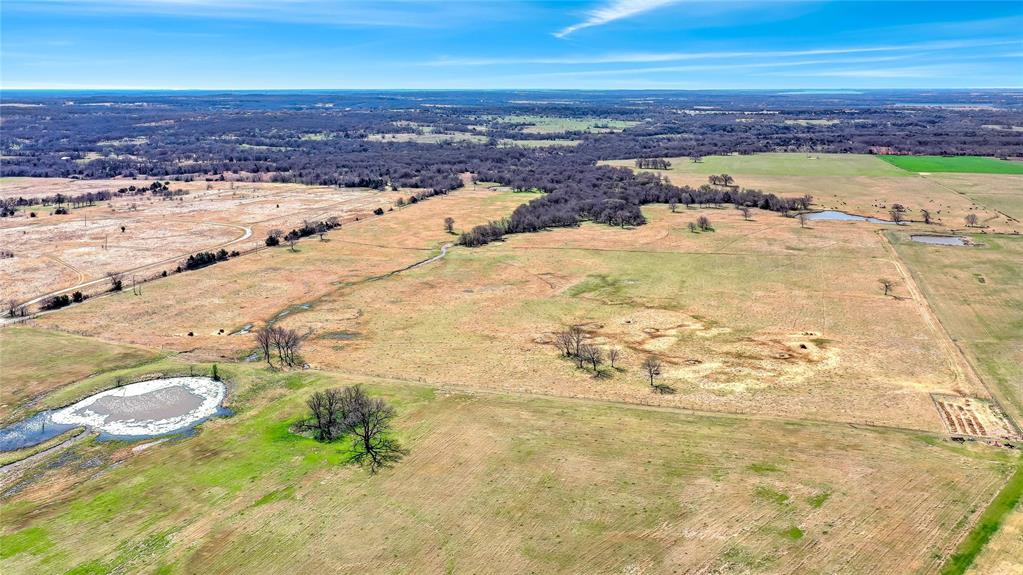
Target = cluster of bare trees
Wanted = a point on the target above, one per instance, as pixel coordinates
(351, 411)
(703, 222)
(286, 342)
(653, 164)
(572, 344)
(722, 180)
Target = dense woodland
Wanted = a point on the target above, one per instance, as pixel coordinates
(322, 138)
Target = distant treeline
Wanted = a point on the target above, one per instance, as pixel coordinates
(321, 139)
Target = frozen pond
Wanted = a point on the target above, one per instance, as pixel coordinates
(940, 240)
(135, 411)
(835, 215)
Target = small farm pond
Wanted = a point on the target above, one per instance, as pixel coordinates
(135, 411)
(940, 240)
(835, 215)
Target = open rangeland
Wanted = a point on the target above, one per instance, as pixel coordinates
(810, 334)
(805, 424)
(975, 292)
(145, 235)
(496, 483)
(215, 302)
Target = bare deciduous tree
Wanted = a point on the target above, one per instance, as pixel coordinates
(652, 367)
(369, 420)
(449, 225)
(802, 220)
(971, 220)
(593, 354)
(896, 216)
(926, 214)
(612, 355)
(673, 205)
(563, 340)
(704, 223)
(12, 307)
(265, 339)
(692, 227)
(746, 213)
(887, 284)
(578, 336)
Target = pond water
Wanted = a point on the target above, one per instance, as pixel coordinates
(835, 215)
(940, 240)
(135, 411)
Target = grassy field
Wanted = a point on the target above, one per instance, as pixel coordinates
(36, 362)
(781, 164)
(975, 292)
(499, 483)
(808, 440)
(967, 164)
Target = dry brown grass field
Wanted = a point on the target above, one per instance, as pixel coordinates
(214, 302)
(54, 252)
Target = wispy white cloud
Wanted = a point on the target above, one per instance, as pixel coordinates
(651, 57)
(614, 10)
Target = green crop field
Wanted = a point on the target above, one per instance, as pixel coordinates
(782, 164)
(964, 164)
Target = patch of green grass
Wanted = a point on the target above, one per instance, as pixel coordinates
(817, 501)
(962, 164)
(33, 540)
(277, 495)
(770, 494)
(1006, 500)
(794, 533)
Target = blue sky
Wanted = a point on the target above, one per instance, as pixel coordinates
(589, 44)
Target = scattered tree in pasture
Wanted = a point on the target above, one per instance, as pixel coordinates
(673, 205)
(692, 227)
(971, 220)
(887, 284)
(265, 339)
(747, 213)
(926, 214)
(895, 215)
(652, 367)
(802, 220)
(449, 225)
(329, 419)
(12, 307)
(578, 337)
(613, 354)
(592, 354)
(369, 420)
(564, 342)
(704, 223)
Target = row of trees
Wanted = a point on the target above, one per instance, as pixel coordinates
(350, 411)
